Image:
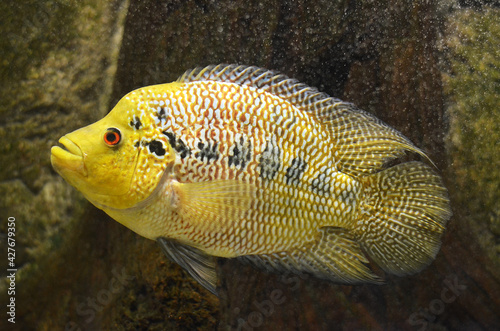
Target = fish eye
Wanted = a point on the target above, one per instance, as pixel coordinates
(112, 137)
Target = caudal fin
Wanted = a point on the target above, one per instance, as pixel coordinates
(403, 217)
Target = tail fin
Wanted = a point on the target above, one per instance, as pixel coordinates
(402, 217)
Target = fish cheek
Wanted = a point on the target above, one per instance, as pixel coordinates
(154, 157)
(111, 172)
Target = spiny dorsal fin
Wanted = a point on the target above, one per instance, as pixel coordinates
(363, 143)
(200, 266)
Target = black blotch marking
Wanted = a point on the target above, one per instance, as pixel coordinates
(182, 149)
(162, 114)
(269, 161)
(171, 138)
(295, 171)
(242, 153)
(321, 184)
(156, 147)
(177, 144)
(137, 144)
(208, 150)
(136, 123)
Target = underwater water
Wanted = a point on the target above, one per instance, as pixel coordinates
(428, 69)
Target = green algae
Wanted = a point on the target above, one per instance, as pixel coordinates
(30, 30)
(473, 86)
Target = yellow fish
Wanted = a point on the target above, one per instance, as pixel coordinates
(235, 161)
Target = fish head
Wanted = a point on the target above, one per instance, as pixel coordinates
(117, 161)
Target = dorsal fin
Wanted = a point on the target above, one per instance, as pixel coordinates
(362, 143)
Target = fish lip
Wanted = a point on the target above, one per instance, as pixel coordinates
(68, 158)
(71, 146)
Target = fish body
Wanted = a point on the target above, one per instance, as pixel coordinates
(234, 161)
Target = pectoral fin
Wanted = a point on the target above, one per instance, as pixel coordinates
(216, 204)
(199, 265)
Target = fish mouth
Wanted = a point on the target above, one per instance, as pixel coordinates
(69, 157)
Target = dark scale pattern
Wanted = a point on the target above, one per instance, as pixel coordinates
(156, 147)
(171, 138)
(269, 162)
(136, 123)
(162, 114)
(182, 149)
(177, 144)
(208, 151)
(294, 172)
(241, 153)
(321, 184)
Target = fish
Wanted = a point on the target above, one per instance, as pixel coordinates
(234, 161)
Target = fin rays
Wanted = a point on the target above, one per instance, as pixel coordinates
(336, 256)
(403, 217)
(199, 265)
(214, 204)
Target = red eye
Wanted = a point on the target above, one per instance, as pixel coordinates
(112, 137)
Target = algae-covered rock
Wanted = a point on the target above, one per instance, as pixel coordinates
(55, 74)
(473, 88)
(41, 219)
(41, 77)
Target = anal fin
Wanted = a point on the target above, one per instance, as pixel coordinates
(335, 256)
(199, 265)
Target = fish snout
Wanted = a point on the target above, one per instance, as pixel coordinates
(69, 157)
